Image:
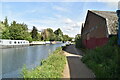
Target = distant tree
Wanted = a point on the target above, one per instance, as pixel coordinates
(51, 34)
(34, 33)
(39, 37)
(65, 37)
(44, 35)
(59, 34)
(78, 41)
(2, 27)
(6, 22)
(14, 31)
(4, 31)
(71, 38)
(19, 31)
(6, 34)
(48, 35)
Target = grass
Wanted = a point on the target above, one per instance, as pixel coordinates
(52, 67)
(104, 61)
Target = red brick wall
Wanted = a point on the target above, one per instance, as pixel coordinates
(94, 42)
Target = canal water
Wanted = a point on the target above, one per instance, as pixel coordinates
(13, 59)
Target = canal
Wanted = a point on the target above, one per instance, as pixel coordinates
(13, 59)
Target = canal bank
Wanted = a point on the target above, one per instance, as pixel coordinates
(13, 59)
(52, 67)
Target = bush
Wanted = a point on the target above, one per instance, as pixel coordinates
(78, 42)
(52, 67)
(104, 60)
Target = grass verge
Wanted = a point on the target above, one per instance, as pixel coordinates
(52, 67)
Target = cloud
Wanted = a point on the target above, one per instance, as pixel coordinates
(59, 8)
(58, 16)
(44, 21)
(68, 21)
(72, 26)
(72, 23)
(70, 31)
(73, 29)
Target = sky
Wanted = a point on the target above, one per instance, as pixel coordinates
(68, 16)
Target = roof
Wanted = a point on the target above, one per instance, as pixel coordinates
(111, 19)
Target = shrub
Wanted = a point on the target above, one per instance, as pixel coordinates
(104, 60)
(78, 42)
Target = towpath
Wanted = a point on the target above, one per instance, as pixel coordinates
(75, 68)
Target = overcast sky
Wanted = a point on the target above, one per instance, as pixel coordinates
(65, 15)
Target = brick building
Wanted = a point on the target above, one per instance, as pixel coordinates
(98, 27)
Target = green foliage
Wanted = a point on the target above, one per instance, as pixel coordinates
(59, 35)
(34, 33)
(2, 26)
(19, 31)
(52, 67)
(78, 41)
(6, 34)
(15, 31)
(6, 22)
(104, 60)
(66, 38)
(58, 32)
(2, 29)
(51, 35)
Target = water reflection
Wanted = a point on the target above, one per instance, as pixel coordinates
(13, 59)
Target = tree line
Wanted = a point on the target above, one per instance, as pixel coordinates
(18, 31)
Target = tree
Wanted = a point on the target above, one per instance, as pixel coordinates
(39, 37)
(6, 22)
(65, 37)
(59, 35)
(4, 31)
(78, 41)
(15, 31)
(58, 32)
(34, 33)
(2, 27)
(6, 34)
(48, 35)
(19, 31)
(51, 34)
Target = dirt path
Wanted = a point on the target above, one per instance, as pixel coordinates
(74, 67)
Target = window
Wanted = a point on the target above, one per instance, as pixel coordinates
(15, 42)
(10, 42)
(0, 41)
(18, 42)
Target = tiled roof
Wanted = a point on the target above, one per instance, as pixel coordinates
(111, 18)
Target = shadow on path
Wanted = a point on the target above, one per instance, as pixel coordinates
(71, 49)
(77, 69)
